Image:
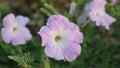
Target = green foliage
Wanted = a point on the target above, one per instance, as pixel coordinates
(4, 9)
(24, 60)
(100, 48)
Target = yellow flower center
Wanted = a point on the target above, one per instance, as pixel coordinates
(57, 38)
(15, 29)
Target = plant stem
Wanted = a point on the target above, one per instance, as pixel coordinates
(86, 23)
(46, 63)
(52, 9)
(45, 12)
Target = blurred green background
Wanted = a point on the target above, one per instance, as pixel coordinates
(100, 49)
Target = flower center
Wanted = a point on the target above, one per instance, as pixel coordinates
(99, 13)
(57, 38)
(15, 29)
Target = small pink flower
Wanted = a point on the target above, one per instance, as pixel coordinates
(97, 14)
(61, 38)
(15, 30)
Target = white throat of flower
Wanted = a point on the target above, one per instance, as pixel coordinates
(62, 37)
(99, 13)
(15, 29)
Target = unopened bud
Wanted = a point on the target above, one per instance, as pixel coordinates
(72, 10)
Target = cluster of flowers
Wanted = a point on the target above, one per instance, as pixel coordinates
(60, 37)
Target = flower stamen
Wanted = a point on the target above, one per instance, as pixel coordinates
(15, 29)
(57, 38)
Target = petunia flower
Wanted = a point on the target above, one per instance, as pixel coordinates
(15, 30)
(97, 14)
(61, 38)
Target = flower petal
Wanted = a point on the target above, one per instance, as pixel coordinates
(7, 35)
(22, 20)
(76, 35)
(109, 21)
(92, 16)
(46, 35)
(106, 21)
(54, 51)
(57, 21)
(26, 33)
(9, 20)
(98, 4)
(18, 40)
(71, 51)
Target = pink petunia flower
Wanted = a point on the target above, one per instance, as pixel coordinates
(15, 30)
(97, 14)
(61, 38)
